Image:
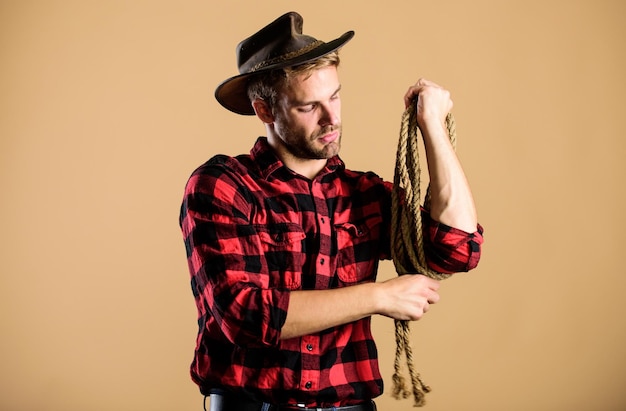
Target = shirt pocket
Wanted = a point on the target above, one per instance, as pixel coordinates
(358, 250)
(283, 254)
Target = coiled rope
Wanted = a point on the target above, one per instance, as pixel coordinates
(407, 246)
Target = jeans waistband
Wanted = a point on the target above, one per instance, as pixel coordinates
(225, 402)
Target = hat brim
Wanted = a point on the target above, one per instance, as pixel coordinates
(232, 93)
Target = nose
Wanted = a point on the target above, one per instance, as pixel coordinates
(330, 115)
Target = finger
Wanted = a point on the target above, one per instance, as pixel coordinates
(422, 82)
(415, 89)
(431, 283)
(433, 298)
(411, 94)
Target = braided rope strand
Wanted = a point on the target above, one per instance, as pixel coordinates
(407, 245)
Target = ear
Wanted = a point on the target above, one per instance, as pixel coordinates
(263, 111)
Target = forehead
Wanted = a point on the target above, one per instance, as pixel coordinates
(317, 85)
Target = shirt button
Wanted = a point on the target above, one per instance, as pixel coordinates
(308, 385)
(309, 347)
(321, 261)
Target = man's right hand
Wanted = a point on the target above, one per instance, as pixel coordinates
(407, 297)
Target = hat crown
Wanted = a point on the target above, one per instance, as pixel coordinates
(278, 45)
(283, 37)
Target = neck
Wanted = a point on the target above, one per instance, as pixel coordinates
(307, 167)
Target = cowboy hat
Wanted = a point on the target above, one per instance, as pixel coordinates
(278, 45)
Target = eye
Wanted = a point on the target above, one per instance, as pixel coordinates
(306, 109)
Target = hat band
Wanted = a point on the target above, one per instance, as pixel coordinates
(287, 56)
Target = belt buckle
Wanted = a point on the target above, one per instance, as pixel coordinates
(304, 407)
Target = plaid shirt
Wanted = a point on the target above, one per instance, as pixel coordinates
(254, 231)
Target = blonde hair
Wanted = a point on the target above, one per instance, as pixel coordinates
(267, 86)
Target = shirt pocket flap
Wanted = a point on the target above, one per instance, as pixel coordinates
(280, 234)
(359, 229)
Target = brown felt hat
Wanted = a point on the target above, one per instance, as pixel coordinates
(279, 44)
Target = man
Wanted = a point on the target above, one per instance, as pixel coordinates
(283, 244)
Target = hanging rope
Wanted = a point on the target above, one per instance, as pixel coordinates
(407, 246)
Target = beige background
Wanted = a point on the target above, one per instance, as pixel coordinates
(106, 107)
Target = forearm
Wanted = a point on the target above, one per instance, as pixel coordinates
(316, 310)
(451, 198)
(405, 297)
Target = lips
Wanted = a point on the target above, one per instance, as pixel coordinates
(330, 137)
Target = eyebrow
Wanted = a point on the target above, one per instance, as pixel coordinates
(306, 103)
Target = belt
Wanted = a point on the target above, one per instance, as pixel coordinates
(221, 402)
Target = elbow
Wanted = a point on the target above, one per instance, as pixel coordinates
(252, 321)
(455, 257)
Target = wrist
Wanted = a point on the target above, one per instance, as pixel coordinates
(431, 122)
(375, 294)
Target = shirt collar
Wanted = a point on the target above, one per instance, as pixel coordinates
(268, 162)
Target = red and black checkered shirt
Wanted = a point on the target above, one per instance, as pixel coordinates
(254, 230)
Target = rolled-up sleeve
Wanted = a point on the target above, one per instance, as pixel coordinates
(228, 278)
(448, 249)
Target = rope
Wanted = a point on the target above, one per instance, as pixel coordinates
(407, 246)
